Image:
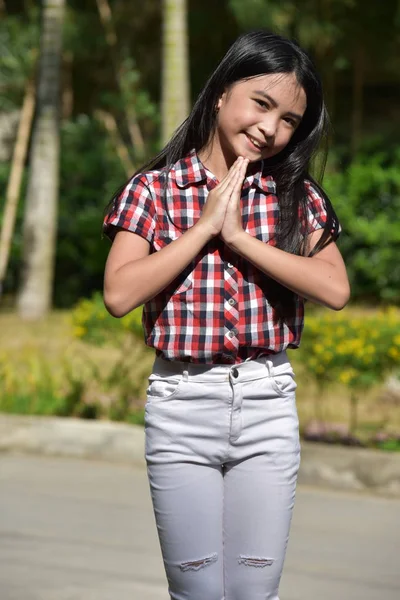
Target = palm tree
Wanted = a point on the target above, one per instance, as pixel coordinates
(175, 75)
(40, 218)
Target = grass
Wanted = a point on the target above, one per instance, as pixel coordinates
(46, 370)
(60, 374)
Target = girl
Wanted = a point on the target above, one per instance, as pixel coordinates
(222, 237)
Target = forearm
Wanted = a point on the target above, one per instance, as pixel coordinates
(312, 278)
(139, 280)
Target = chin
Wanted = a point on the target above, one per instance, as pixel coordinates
(252, 157)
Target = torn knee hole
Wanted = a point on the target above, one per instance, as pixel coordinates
(252, 561)
(195, 565)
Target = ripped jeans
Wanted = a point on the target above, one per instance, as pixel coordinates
(222, 452)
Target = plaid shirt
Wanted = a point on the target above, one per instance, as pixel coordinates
(215, 311)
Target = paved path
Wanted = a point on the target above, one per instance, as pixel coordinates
(83, 530)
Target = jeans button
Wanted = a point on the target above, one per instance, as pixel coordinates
(235, 373)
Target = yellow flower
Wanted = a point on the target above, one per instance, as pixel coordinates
(79, 331)
(347, 376)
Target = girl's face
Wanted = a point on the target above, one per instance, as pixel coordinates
(257, 117)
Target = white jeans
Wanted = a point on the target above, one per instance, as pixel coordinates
(222, 451)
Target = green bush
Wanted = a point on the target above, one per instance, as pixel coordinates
(358, 352)
(366, 197)
(90, 174)
(92, 323)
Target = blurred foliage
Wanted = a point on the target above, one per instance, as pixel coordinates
(52, 371)
(92, 366)
(358, 352)
(92, 323)
(90, 174)
(364, 188)
(19, 41)
(366, 196)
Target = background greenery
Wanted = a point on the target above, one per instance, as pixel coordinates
(355, 45)
(363, 172)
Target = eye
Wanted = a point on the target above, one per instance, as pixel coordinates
(291, 122)
(261, 103)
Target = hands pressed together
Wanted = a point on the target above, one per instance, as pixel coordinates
(221, 213)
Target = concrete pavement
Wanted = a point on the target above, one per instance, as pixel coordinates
(321, 464)
(74, 529)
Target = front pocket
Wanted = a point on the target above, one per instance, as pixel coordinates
(161, 388)
(284, 383)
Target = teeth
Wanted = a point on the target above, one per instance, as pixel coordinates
(255, 142)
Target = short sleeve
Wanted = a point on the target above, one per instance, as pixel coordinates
(317, 216)
(316, 213)
(133, 210)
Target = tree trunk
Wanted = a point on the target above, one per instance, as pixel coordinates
(111, 126)
(358, 85)
(15, 178)
(67, 96)
(40, 219)
(130, 113)
(175, 76)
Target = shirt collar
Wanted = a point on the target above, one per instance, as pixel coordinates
(190, 170)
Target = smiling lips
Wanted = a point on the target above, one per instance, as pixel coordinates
(259, 145)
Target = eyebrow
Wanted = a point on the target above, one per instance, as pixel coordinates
(275, 104)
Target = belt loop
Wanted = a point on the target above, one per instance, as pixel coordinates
(185, 372)
(268, 364)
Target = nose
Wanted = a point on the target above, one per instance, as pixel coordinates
(268, 127)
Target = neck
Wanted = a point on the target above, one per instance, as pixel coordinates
(215, 159)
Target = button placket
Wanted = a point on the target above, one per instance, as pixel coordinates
(231, 312)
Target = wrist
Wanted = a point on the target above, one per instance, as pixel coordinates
(236, 240)
(204, 231)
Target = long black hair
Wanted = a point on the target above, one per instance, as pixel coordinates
(253, 54)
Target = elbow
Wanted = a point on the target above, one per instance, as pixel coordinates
(113, 308)
(340, 298)
(116, 306)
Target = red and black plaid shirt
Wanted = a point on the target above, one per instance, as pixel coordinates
(215, 311)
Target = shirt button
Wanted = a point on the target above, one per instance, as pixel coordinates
(231, 301)
(235, 373)
(232, 333)
(229, 265)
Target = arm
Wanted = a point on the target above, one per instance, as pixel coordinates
(321, 278)
(133, 275)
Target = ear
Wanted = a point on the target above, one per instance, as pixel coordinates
(221, 100)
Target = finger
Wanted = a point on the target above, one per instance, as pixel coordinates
(237, 182)
(230, 174)
(234, 183)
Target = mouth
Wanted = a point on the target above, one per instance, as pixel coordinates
(257, 144)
